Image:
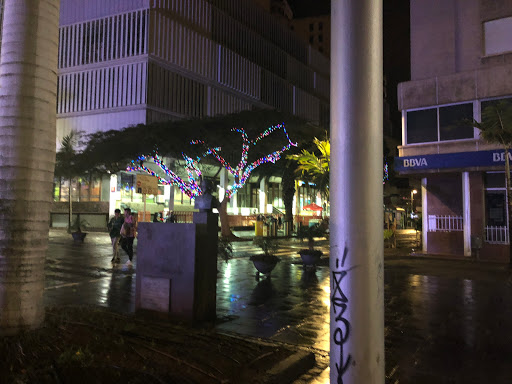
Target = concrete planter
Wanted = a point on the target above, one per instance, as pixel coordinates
(264, 264)
(310, 257)
(79, 236)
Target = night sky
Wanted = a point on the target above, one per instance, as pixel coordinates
(396, 42)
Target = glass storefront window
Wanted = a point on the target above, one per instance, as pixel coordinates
(422, 126)
(439, 124)
(450, 122)
(95, 188)
(84, 190)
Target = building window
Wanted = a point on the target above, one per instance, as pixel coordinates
(488, 103)
(495, 199)
(311, 39)
(439, 124)
(422, 126)
(311, 27)
(497, 36)
(450, 118)
(320, 38)
(320, 26)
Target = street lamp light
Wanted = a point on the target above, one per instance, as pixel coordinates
(413, 192)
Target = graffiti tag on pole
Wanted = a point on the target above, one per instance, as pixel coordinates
(339, 302)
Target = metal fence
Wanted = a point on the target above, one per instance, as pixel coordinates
(440, 223)
(496, 235)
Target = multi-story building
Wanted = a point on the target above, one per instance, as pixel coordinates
(461, 62)
(316, 30)
(131, 62)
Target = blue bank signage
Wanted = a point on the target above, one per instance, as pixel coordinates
(451, 160)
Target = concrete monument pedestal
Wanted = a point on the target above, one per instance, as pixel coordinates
(177, 268)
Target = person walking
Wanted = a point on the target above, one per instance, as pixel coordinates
(128, 234)
(114, 226)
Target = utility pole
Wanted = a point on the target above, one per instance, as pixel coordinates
(357, 244)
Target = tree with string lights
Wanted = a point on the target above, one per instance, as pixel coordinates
(240, 172)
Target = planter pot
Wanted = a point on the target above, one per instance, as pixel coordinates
(264, 264)
(79, 236)
(310, 257)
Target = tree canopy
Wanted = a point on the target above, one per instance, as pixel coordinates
(496, 123)
(313, 167)
(113, 150)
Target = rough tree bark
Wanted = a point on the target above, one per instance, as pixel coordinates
(225, 230)
(28, 85)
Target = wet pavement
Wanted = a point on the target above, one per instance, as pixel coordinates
(447, 321)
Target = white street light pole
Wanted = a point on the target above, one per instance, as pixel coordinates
(357, 241)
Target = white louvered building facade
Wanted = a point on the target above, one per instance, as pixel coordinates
(127, 62)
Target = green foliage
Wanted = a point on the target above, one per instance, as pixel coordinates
(76, 356)
(315, 230)
(388, 234)
(68, 162)
(496, 123)
(268, 245)
(224, 248)
(315, 166)
(78, 224)
(113, 150)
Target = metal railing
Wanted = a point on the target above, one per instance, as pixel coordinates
(496, 235)
(440, 223)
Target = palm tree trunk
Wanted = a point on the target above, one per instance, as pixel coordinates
(28, 84)
(509, 202)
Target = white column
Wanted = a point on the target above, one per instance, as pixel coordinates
(263, 196)
(234, 204)
(357, 245)
(224, 183)
(113, 195)
(424, 214)
(466, 213)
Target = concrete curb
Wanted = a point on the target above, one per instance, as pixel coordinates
(291, 368)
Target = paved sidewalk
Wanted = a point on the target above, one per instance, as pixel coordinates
(446, 321)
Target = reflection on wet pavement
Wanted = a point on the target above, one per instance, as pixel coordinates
(289, 306)
(445, 321)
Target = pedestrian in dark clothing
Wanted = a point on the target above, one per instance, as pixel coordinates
(114, 226)
(128, 234)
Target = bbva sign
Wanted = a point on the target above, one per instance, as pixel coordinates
(421, 162)
(500, 157)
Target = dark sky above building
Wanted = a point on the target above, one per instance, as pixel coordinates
(304, 8)
(396, 41)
